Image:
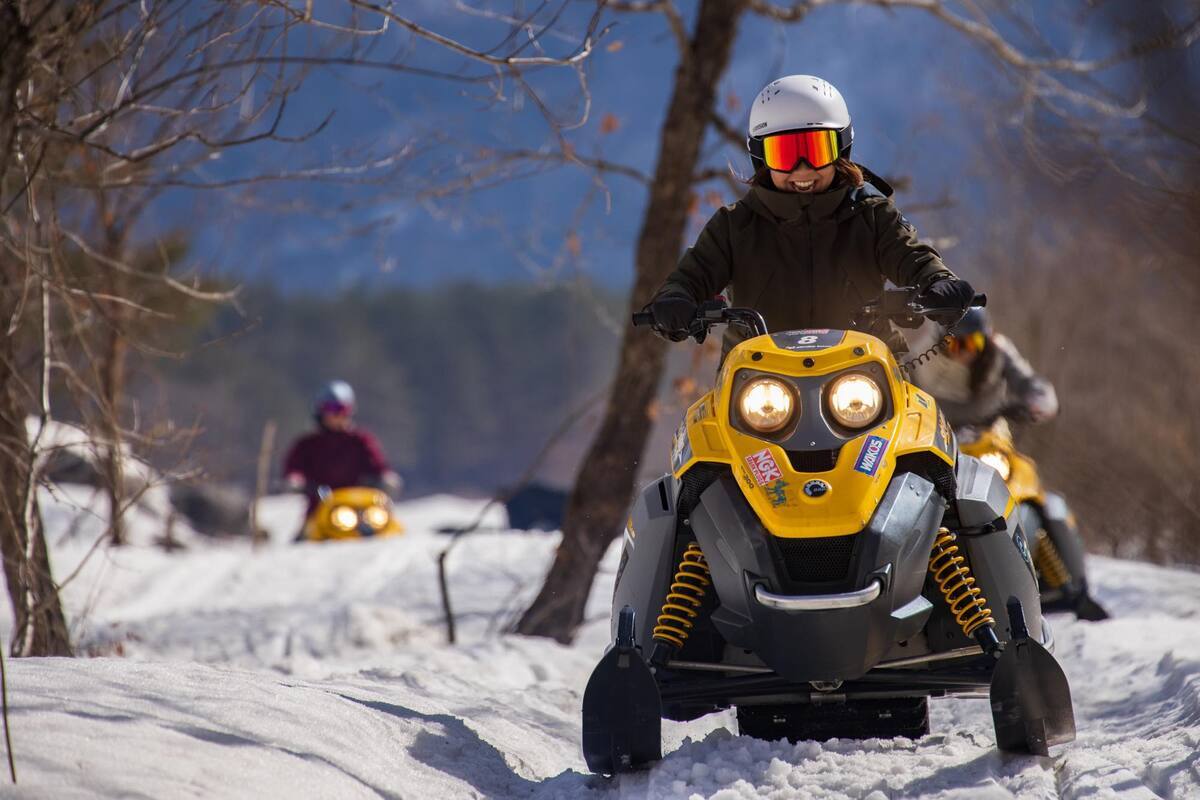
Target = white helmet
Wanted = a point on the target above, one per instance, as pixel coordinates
(796, 103)
(334, 397)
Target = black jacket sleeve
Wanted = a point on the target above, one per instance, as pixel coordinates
(707, 266)
(903, 258)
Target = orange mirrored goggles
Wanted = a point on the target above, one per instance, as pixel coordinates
(783, 152)
(971, 343)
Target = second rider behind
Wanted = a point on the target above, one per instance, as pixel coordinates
(815, 236)
(982, 376)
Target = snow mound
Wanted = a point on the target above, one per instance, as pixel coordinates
(322, 670)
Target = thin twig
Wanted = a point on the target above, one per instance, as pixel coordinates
(8, 748)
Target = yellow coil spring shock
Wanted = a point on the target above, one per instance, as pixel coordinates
(682, 603)
(1049, 563)
(954, 580)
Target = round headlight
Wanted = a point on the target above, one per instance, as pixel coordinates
(343, 517)
(766, 404)
(999, 462)
(855, 400)
(376, 516)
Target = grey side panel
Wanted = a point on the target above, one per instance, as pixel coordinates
(647, 558)
(829, 644)
(1000, 561)
(1001, 573)
(901, 533)
(1029, 518)
(982, 494)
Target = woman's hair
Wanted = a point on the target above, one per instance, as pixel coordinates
(847, 172)
(983, 364)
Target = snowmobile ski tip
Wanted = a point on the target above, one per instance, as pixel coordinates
(622, 709)
(1031, 700)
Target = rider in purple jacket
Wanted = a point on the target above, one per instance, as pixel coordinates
(337, 454)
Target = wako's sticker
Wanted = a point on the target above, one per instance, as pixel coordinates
(777, 493)
(763, 467)
(681, 448)
(871, 455)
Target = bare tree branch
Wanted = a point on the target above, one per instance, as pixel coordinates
(667, 8)
(584, 49)
(991, 38)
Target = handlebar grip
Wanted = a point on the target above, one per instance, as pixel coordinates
(643, 319)
(979, 300)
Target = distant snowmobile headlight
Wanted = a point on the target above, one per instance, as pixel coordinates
(999, 462)
(376, 516)
(766, 404)
(855, 400)
(343, 518)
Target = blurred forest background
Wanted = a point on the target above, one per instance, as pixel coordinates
(474, 322)
(439, 203)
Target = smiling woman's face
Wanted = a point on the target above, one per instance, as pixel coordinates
(803, 179)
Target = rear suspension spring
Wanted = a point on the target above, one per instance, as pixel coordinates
(682, 604)
(1049, 563)
(954, 580)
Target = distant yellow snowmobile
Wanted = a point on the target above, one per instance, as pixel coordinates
(354, 512)
(1057, 547)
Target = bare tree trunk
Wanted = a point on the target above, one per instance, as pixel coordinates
(258, 534)
(606, 479)
(39, 629)
(39, 626)
(113, 390)
(14, 66)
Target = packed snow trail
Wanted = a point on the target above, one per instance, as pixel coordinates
(322, 671)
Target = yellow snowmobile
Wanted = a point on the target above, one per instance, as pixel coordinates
(353, 512)
(1056, 545)
(821, 558)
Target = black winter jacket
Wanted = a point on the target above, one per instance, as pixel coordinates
(807, 261)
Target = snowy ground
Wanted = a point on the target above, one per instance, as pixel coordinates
(322, 671)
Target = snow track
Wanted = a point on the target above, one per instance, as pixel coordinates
(321, 671)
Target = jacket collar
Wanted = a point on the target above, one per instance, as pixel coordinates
(784, 206)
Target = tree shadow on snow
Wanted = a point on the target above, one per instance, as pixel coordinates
(462, 753)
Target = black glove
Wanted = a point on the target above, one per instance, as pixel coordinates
(952, 294)
(673, 315)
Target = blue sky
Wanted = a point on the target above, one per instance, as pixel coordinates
(921, 96)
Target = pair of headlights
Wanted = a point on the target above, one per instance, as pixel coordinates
(768, 405)
(346, 518)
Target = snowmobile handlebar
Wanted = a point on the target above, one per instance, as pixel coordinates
(708, 314)
(898, 305)
(901, 307)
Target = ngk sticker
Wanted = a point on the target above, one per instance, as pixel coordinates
(763, 467)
